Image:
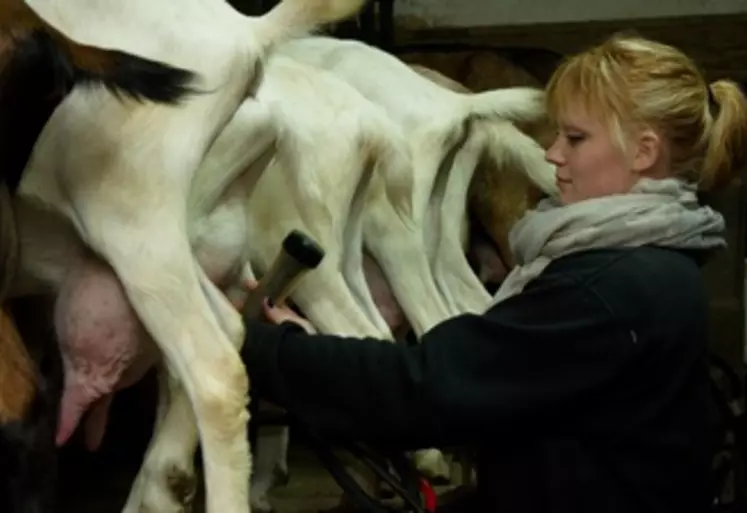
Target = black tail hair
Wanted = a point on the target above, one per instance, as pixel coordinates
(137, 78)
(39, 70)
(123, 74)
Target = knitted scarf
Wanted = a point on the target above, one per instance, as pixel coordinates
(664, 213)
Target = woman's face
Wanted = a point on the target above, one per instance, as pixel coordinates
(588, 162)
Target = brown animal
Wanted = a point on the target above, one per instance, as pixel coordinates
(476, 70)
(29, 395)
(16, 372)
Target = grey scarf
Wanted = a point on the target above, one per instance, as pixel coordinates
(661, 212)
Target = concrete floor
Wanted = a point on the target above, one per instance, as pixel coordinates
(99, 482)
(86, 487)
(96, 484)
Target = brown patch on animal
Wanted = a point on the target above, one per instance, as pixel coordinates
(440, 79)
(19, 21)
(17, 385)
(16, 23)
(498, 198)
(477, 70)
(16, 15)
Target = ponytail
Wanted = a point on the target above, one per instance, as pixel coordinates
(726, 153)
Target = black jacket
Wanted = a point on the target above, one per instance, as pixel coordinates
(589, 389)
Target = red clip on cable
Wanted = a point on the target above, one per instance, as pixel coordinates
(429, 494)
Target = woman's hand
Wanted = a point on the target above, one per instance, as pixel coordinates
(280, 313)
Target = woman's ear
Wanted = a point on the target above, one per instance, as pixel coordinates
(647, 151)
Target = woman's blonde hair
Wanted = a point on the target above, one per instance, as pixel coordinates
(632, 80)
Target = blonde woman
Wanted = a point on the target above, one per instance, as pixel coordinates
(585, 381)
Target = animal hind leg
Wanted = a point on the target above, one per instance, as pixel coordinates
(400, 252)
(155, 265)
(459, 284)
(270, 467)
(170, 454)
(327, 301)
(353, 270)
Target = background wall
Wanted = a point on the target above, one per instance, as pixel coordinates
(476, 13)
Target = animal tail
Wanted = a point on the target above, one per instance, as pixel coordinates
(513, 150)
(295, 18)
(128, 75)
(515, 104)
(122, 73)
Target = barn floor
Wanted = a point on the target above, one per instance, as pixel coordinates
(99, 482)
(89, 485)
(86, 487)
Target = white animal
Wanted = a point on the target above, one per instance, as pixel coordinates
(122, 173)
(334, 150)
(331, 144)
(449, 133)
(302, 156)
(310, 184)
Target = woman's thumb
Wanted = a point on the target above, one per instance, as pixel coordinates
(272, 313)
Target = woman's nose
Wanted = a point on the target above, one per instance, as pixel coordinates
(554, 155)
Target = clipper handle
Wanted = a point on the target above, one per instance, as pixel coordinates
(298, 255)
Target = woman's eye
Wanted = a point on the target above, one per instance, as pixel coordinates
(574, 138)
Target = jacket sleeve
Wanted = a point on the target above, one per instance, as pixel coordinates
(546, 355)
